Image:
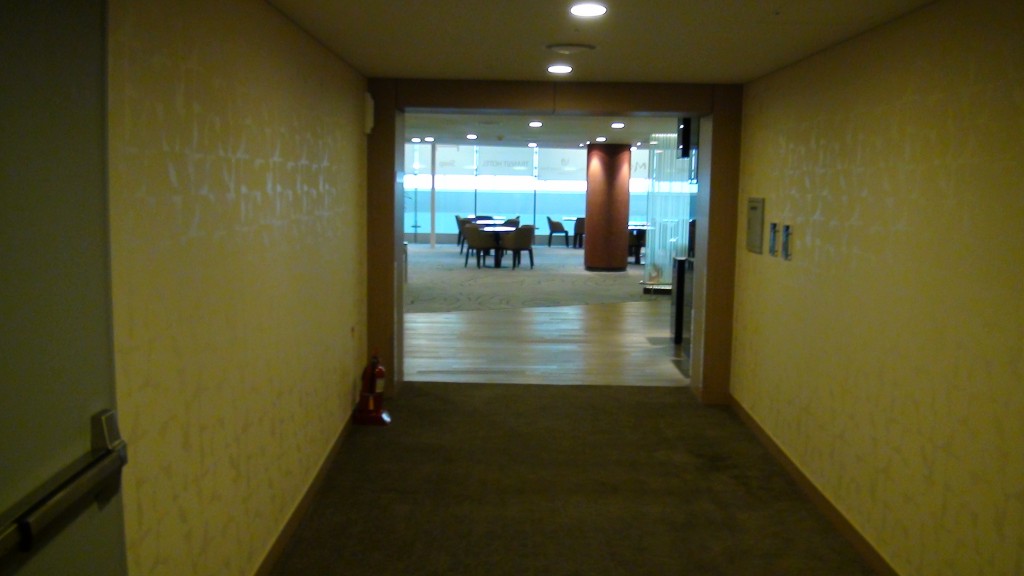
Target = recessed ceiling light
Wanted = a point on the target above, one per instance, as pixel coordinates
(416, 140)
(536, 124)
(560, 69)
(471, 136)
(617, 125)
(601, 139)
(532, 144)
(428, 139)
(588, 9)
(570, 48)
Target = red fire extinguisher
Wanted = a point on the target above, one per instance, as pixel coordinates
(370, 409)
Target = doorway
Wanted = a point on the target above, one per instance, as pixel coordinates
(393, 99)
(531, 168)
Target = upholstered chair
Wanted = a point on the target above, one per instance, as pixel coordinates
(479, 242)
(518, 242)
(578, 231)
(556, 227)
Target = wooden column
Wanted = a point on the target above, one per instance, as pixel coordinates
(606, 245)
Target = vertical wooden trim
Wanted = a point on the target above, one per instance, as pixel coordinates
(384, 247)
(720, 245)
(606, 245)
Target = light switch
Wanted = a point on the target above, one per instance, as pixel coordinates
(755, 225)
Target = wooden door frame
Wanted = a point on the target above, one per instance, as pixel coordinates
(716, 212)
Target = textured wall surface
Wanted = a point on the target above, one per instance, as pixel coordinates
(887, 357)
(237, 201)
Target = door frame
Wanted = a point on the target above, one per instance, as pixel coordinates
(716, 212)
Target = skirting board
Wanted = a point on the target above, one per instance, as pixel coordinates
(282, 540)
(861, 544)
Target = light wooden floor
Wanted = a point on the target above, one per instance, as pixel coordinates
(626, 344)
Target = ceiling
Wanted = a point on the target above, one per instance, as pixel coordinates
(688, 41)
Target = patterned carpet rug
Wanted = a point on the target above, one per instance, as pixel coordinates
(438, 281)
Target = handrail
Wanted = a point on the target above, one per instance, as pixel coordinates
(104, 463)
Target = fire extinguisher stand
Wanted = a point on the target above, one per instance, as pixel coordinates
(370, 410)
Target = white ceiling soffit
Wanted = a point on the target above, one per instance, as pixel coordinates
(698, 41)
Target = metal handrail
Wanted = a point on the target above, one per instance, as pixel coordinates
(103, 465)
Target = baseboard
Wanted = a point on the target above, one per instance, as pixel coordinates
(281, 542)
(868, 552)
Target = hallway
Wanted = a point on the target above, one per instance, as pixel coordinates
(614, 469)
(493, 479)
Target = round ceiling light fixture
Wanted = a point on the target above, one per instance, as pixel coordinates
(536, 124)
(559, 69)
(618, 125)
(588, 10)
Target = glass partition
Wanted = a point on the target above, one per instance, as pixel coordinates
(673, 189)
(499, 181)
(535, 184)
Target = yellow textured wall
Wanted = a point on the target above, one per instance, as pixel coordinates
(237, 201)
(887, 357)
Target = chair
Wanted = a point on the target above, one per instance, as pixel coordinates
(513, 222)
(518, 241)
(557, 228)
(460, 239)
(579, 230)
(479, 241)
(463, 222)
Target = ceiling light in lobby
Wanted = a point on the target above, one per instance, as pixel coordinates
(588, 10)
(536, 124)
(559, 69)
(618, 125)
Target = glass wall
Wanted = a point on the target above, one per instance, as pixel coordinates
(499, 181)
(505, 182)
(673, 191)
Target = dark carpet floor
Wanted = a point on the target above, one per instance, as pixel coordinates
(546, 480)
